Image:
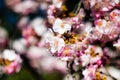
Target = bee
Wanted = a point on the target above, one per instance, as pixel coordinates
(69, 8)
(69, 38)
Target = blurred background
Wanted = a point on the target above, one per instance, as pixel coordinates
(19, 30)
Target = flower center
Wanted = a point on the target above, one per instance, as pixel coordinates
(56, 43)
(62, 25)
(4, 62)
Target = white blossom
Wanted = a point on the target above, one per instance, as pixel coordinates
(39, 26)
(85, 58)
(57, 3)
(56, 44)
(61, 27)
(9, 55)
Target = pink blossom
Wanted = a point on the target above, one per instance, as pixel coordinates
(15, 62)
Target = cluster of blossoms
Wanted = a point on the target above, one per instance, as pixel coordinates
(80, 33)
(82, 42)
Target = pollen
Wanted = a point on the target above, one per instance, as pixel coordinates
(99, 77)
(4, 62)
(56, 43)
(97, 6)
(99, 24)
(62, 25)
(66, 52)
